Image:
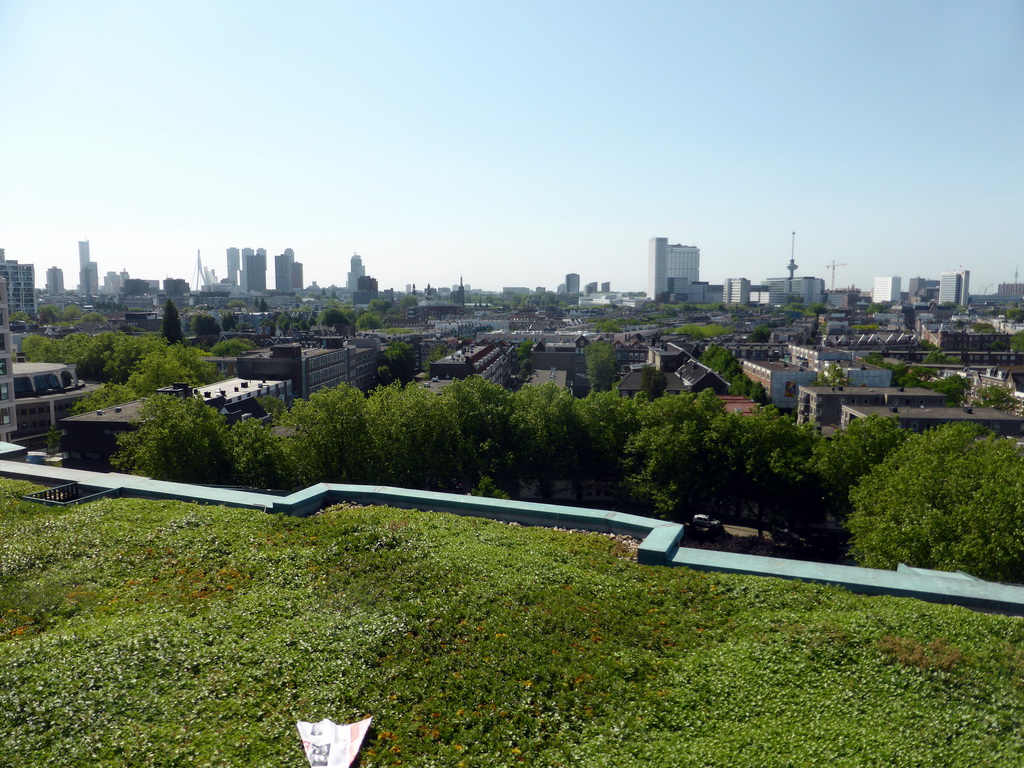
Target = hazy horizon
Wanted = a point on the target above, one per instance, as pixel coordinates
(509, 145)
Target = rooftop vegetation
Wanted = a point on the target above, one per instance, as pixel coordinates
(158, 633)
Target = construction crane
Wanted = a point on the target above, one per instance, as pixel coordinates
(833, 266)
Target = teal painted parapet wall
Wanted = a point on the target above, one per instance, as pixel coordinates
(659, 539)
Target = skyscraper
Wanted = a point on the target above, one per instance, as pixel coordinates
(678, 263)
(954, 287)
(88, 272)
(254, 270)
(283, 264)
(234, 265)
(356, 270)
(55, 281)
(572, 283)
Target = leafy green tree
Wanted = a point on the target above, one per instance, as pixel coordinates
(938, 357)
(955, 388)
(605, 422)
(274, 406)
(524, 353)
(608, 326)
(947, 499)
(653, 382)
(202, 324)
(335, 316)
(170, 365)
(601, 365)
(228, 322)
(1017, 342)
(400, 361)
(763, 462)
(840, 462)
(667, 461)
(488, 489)
(545, 444)
(483, 430)
(93, 317)
(108, 395)
(177, 439)
(1015, 315)
(170, 328)
(329, 444)
(761, 334)
(71, 314)
(412, 438)
(369, 321)
(49, 314)
(117, 354)
(231, 347)
(832, 376)
(983, 328)
(994, 396)
(237, 304)
(258, 457)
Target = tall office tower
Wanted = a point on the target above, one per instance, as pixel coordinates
(357, 270)
(297, 284)
(572, 283)
(254, 270)
(247, 253)
(680, 263)
(590, 288)
(55, 281)
(737, 291)
(954, 287)
(21, 285)
(886, 289)
(88, 272)
(7, 421)
(234, 265)
(606, 287)
(283, 263)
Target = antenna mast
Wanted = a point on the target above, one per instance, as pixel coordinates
(792, 261)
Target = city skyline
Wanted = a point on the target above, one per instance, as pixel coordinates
(885, 136)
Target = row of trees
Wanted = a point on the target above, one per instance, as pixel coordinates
(675, 455)
(130, 367)
(947, 499)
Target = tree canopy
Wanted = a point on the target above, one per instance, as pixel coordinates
(947, 499)
(601, 365)
(170, 328)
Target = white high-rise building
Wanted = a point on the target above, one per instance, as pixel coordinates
(737, 291)
(954, 287)
(670, 266)
(886, 290)
(357, 270)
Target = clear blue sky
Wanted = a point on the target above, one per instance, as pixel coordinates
(511, 143)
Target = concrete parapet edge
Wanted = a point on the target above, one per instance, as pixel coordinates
(660, 540)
